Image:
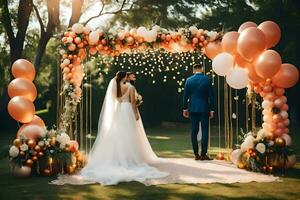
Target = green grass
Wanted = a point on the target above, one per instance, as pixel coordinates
(167, 142)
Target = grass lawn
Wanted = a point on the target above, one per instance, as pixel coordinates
(167, 142)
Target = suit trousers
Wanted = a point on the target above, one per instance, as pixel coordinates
(196, 118)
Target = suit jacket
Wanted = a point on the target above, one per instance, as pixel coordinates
(198, 94)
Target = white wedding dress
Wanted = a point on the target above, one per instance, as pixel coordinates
(121, 152)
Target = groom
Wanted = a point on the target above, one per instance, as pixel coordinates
(198, 105)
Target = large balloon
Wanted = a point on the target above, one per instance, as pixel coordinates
(37, 121)
(287, 76)
(212, 49)
(237, 78)
(246, 25)
(251, 43)
(268, 64)
(272, 33)
(31, 131)
(22, 68)
(229, 42)
(222, 63)
(21, 109)
(22, 87)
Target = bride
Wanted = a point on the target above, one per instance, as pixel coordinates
(121, 152)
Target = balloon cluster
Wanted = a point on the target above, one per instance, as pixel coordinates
(34, 143)
(246, 58)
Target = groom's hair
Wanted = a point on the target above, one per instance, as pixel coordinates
(197, 66)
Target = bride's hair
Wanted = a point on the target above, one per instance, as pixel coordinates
(119, 76)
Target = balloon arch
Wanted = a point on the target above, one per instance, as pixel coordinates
(242, 57)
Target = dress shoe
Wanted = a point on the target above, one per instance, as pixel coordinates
(205, 158)
(197, 157)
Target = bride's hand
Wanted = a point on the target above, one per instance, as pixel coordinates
(137, 116)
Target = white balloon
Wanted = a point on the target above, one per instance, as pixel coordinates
(284, 114)
(236, 156)
(266, 104)
(222, 63)
(287, 139)
(212, 35)
(141, 31)
(94, 37)
(193, 30)
(237, 78)
(78, 28)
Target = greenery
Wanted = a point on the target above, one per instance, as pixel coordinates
(168, 141)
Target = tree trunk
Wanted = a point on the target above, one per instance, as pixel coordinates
(76, 11)
(45, 37)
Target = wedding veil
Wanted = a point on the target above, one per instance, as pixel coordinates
(108, 112)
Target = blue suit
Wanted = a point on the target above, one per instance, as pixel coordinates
(199, 100)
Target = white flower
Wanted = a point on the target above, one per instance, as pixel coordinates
(41, 143)
(78, 28)
(249, 138)
(24, 147)
(271, 143)
(47, 143)
(193, 30)
(234, 116)
(13, 151)
(260, 134)
(247, 145)
(63, 138)
(261, 148)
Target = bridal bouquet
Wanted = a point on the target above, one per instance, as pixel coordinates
(138, 99)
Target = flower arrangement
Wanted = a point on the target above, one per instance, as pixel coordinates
(47, 155)
(138, 99)
(260, 153)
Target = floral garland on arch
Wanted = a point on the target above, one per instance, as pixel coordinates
(80, 41)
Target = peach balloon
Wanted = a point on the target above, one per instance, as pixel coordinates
(270, 96)
(246, 25)
(229, 42)
(284, 115)
(279, 131)
(30, 131)
(272, 33)
(22, 87)
(280, 125)
(278, 102)
(38, 121)
(287, 76)
(279, 91)
(241, 62)
(286, 122)
(252, 75)
(212, 49)
(21, 109)
(251, 43)
(277, 118)
(268, 64)
(285, 107)
(267, 88)
(22, 68)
